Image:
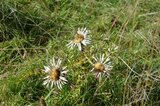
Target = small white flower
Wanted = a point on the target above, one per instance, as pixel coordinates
(102, 66)
(55, 74)
(80, 39)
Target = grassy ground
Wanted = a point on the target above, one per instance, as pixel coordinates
(33, 31)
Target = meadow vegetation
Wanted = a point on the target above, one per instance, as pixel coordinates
(34, 31)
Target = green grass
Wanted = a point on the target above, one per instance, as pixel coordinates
(33, 31)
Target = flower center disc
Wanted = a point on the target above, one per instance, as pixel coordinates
(78, 38)
(55, 74)
(99, 67)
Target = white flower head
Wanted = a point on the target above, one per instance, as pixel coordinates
(81, 38)
(55, 74)
(102, 66)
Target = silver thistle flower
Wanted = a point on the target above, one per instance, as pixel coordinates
(102, 66)
(55, 74)
(80, 39)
